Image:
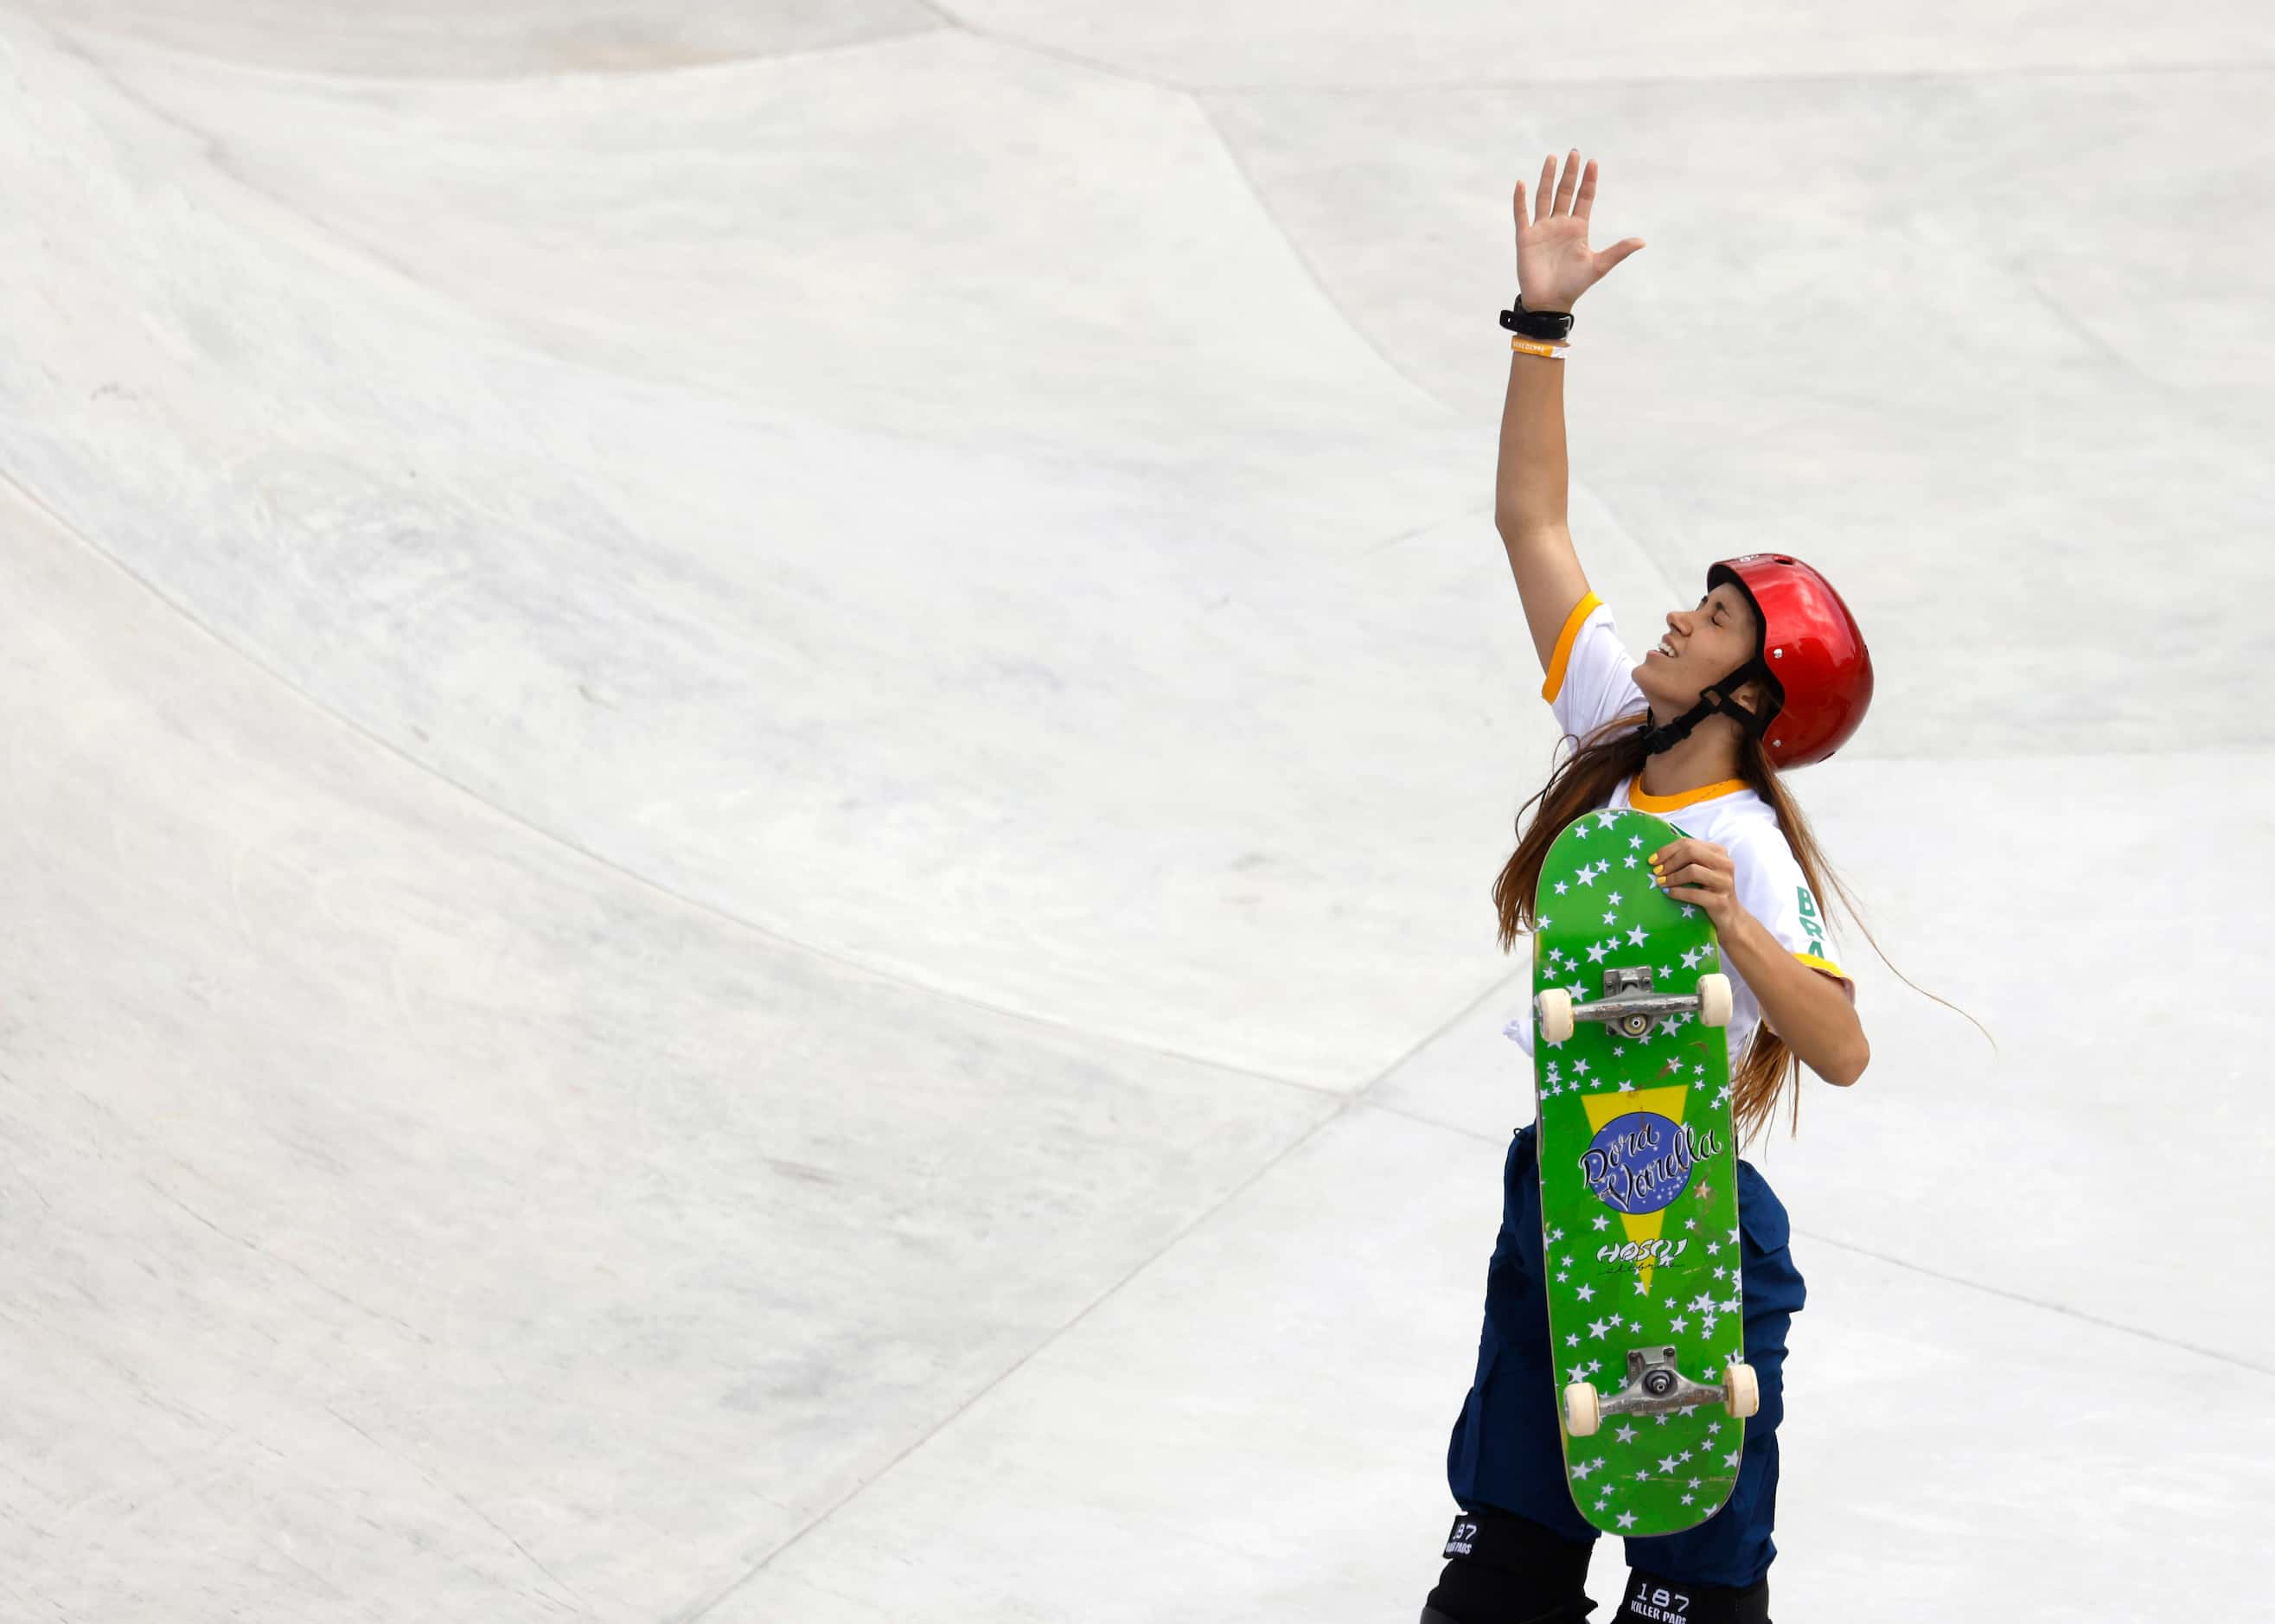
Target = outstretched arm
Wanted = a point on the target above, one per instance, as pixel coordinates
(1530, 510)
(1553, 268)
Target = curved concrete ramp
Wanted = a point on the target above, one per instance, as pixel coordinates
(754, 756)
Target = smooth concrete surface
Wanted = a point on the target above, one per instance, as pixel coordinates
(755, 754)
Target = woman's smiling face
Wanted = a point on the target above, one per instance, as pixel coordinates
(1702, 646)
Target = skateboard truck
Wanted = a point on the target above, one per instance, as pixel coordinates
(1656, 1386)
(1630, 1007)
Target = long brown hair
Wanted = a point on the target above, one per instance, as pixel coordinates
(1611, 756)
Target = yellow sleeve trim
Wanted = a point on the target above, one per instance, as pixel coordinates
(1554, 685)
(1826, 966)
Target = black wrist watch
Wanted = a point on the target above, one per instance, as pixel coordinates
(1549, 324)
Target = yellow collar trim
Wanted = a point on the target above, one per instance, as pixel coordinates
(1642, 802)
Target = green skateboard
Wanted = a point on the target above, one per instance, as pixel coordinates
(1638, 1183)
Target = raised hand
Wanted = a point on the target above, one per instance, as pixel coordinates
(1555, 265)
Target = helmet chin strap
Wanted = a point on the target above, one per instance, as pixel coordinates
(1713, 700)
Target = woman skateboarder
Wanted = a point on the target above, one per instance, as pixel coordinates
(1767, 672)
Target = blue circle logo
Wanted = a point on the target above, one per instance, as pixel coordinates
(1638, 1163)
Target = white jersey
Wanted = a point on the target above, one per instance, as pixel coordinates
(1591, 681)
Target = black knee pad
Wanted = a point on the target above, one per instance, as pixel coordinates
(1501, 1568)
(1651, 1599)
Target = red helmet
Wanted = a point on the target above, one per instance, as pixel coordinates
(1811, 656)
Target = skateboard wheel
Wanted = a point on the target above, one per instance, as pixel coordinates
(1555, 1014)
(1714, 999)
(1581, 1414)
(1740, 1391)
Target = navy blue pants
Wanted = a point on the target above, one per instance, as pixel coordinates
(1506, 1450)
